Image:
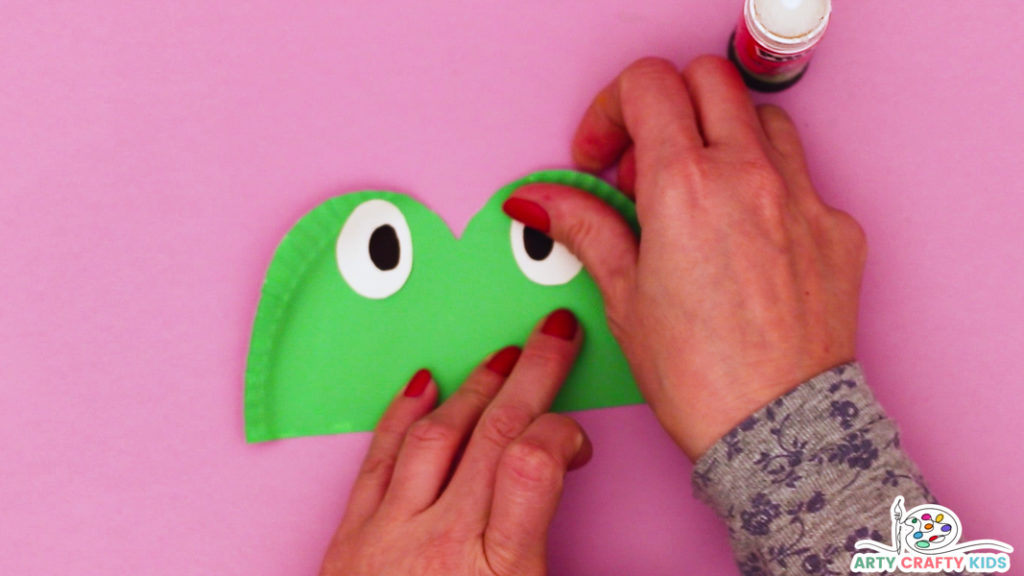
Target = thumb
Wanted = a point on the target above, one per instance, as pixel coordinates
(527, 489)
(591, 229)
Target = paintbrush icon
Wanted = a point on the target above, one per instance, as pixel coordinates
(897, 515)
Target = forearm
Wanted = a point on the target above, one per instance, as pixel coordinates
(803, 479)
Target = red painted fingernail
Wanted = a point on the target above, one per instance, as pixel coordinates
(418, 384)
(529, 213)
(504, 360)
(560, 324)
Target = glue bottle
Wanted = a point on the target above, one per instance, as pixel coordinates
(774, 39)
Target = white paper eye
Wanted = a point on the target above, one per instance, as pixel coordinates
(541, 259)
(374, 249)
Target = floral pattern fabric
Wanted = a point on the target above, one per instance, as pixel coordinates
(806, 477)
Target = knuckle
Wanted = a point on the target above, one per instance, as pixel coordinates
(545, 357)
(503, 423)
(685, 183)
(645, 68)
(391, 427)
(857, 234)
(687, 172)
(580, 232)
(473, 393)
(774, 115)
(652, 65)
(378, 467)
(708, 64)
(852, 234)
(592, 243)
(532, 465)
(430, 431)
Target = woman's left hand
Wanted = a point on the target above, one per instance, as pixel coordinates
(417, 508)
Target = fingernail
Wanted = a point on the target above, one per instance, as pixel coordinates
(529, 213)
(418, 384)
(584, 452)
(560, 324)
(504, 360)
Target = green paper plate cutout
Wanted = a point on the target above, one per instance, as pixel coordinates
(324, 359)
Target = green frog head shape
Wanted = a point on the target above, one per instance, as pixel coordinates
(369, 287)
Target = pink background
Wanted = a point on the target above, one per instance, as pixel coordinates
(152, 155)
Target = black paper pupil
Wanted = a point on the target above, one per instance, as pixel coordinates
(384, 248)
(538, 244)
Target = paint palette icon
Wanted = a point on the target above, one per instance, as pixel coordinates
(932, 528)
(928, 529)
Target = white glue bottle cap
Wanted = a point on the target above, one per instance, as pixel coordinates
(787, 26)
(774, 40)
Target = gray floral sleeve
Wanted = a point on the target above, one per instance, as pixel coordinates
(803, 479)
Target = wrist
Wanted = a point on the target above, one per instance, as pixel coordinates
(697, 417)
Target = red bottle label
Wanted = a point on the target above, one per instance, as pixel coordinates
(764, 63)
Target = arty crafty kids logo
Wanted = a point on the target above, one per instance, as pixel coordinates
(927, 539)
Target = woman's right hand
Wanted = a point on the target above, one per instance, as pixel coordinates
(745, 283)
